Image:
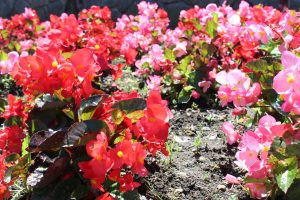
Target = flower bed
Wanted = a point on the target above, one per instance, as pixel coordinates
(97, 140)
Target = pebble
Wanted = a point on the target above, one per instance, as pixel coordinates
(182, 174)
(205, 128)
(178, 190)
(213, 137)
(202, 158)
(222, 188)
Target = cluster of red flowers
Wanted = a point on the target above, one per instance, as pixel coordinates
(63, 57)
(48, 71)
(144, 131)
(11, 136)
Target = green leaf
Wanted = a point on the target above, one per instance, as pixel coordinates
(293, 149)
(11, 158)
(265, 64)
(294, 192)
(182, 67)
(278, 149)
(8, 174)
(188, 88)
(88, 107)
(169, 54)
(39, 28)
(271, 47)
(197, 25)
(48, 102)
(215, 17)
(3, 56)
(117, 116)
(286, 177)
(13, 121)
(81, 132)
(154, 33)
(20, 169)
(185, 95)
(3, 103)
(212, 25)
(130, 105)
(25, 145)
(119, 139)
(4, 34)
(67, 55)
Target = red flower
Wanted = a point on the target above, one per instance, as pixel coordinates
(15, 108)
(140, 155)
(127, 183)
(96, 168)
(105, 196)
(122, 154)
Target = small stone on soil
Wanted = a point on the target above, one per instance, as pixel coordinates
(178, 190)
(205, 128)
(222, 188)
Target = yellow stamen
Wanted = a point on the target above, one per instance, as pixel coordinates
(120, 154)
(54, 64)
(97, 47)
(290, 79)
(151, 119)
(93, 182)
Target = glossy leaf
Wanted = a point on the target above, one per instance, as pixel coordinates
(286, 176)
(47, 102)
(11, 158)
(130, 105)
(88, 107)
(182, 67)
(185, 95)
(212, 25)
(47, 140)
(169, 54)
(81, 132)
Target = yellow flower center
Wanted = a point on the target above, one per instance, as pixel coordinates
(93, 182)
(250, 154)
(54, 64)
(97, 47)
(151, 119)
(290, 79)
(281, 97)
(224, 97)
(265, 149)
(120, 154)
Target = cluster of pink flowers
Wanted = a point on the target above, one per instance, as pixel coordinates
(235, 87)
(253, 152)
(287, 83)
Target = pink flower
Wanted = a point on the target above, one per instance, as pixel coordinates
(239, 98)
(257, 190)
(180, 48)
(234, 19)
(205, 85)
(153, 83)
(232, 179)
(253, 93)
(232, 136)
(224, 95)
(195, 94)
(6, 66)
(26, 45)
